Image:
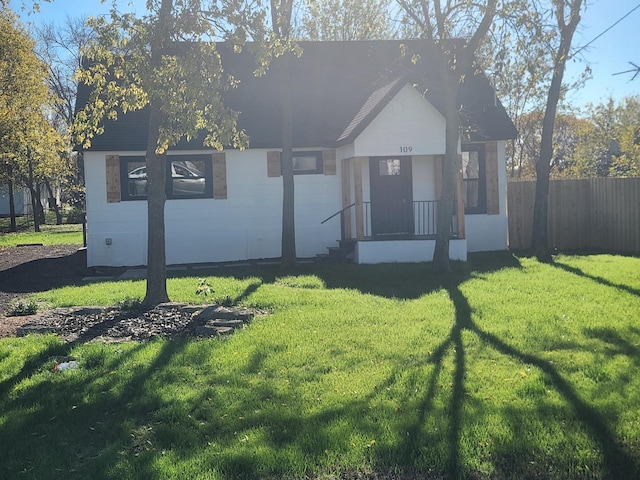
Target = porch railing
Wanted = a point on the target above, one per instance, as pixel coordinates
(424, 219)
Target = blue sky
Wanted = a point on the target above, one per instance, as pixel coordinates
(608, 55)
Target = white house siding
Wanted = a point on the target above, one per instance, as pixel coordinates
(407, 251)
(424, 185)
(491, 232)
(408, 125)
(246, 225)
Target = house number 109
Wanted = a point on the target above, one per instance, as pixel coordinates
(406, 149)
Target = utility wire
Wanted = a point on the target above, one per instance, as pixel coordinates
(605, 31)
(636, 69)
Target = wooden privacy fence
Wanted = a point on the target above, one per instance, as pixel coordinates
(595, 213)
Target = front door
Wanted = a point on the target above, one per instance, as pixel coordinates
(391, 195)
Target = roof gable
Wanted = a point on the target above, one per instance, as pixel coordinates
(408, 123)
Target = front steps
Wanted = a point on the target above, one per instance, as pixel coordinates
(343, 253)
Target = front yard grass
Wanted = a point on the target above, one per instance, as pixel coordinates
(70, 234)
(506, 369)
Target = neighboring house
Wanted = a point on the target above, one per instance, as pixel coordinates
(369, 139)
(21, 201)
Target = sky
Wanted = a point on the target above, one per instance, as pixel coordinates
(606, 56)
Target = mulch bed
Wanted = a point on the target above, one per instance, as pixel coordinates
(37, 268)
(110, 324)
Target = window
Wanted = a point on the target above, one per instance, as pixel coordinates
(305, 163)
(188, 176)
(389, 166)
(474, 191)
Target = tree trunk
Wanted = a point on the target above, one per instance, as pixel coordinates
(39, 206)
(450, 166)
(13, 227)
(156, 180)
(56, 207)
(156, 197)
(34, 209)
(539, 236)
(288, 189)
(34, 196)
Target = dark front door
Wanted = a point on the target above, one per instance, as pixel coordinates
(391, 195)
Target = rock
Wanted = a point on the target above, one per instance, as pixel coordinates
(28, 328)
(227, 323)
(224, 313)
(212, 330)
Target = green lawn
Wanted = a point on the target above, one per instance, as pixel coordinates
(70, 234)
(507, 369)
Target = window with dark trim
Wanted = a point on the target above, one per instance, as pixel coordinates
(188, 176)
(474, 181)
(307, 163)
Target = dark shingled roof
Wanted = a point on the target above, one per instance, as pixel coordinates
(337, 89)
(371, 108)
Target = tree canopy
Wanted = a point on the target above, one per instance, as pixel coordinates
(29, 146)
(346, 20)
(161, 61)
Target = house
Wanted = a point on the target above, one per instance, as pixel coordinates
(369, 139)
(21, 201)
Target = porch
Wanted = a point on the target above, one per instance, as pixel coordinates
(381, 221)
(415, 245)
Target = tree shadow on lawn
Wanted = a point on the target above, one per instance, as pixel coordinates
(617, 462)
(87, 428)
(46, 273)
(600, 280)
(614, 343)
(411, 281)
(290, 427)
(111, 426)
(392, 280)
(124, 428)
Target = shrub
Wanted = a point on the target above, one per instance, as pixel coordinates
(20, 308)
(130, 304)
(76, 215)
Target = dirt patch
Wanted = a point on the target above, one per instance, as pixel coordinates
(37, 268)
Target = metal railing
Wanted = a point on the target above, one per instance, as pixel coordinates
(424, 219)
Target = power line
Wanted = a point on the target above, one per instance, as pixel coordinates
(636, 69)
(606, 30)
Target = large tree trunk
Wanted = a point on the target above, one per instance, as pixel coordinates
(156, 180)
(539, 236)
(156, 197)
(450, 166)
(288, 190)
(281, 11)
